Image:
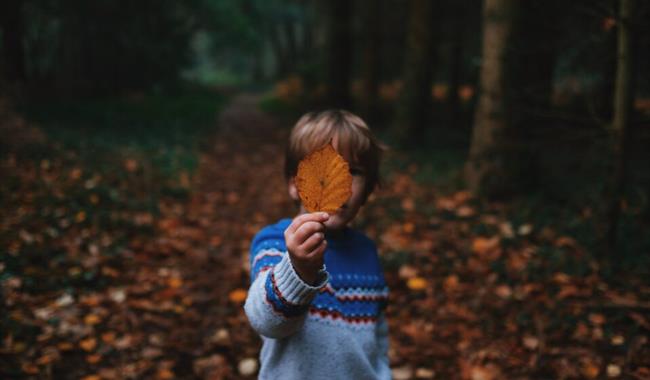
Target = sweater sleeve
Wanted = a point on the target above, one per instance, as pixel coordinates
(278, 299)
(382, 342)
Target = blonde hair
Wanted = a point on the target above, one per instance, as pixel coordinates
(315, 129)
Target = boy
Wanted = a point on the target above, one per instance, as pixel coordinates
(318, 292)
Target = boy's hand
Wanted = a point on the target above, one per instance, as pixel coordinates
(305, 239)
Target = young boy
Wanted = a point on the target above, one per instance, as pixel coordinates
(318, 292)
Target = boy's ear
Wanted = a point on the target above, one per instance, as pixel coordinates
(293, 190)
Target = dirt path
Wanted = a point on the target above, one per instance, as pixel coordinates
(202, 249)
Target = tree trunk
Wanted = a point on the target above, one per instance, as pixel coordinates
(13, 30)
(601, 103)
(339, 40)
(308, 21)
(371, 59)
(623, 100)
(281, 58)
(489, 169)
(292, 45)
(415, 101)
(455, 71)
(536, 46)
(534, 56)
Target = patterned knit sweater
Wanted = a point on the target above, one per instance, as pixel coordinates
(334, 330)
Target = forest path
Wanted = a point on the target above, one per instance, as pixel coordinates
(202, 245)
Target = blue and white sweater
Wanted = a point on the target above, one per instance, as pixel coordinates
(335, 330)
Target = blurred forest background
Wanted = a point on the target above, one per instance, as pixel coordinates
(142, 148)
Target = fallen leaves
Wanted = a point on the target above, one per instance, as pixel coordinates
(108, 337)
(165, 374)
(476, 371)
(212, 366)
(468, 284)
(92, 319)
(175, 282)
(237, 295)
(451, 283)
(93, 359)
(589, 369)
(247, 367)
(503, 291)
(323, 180)
(530, 342)
(482, 245)
(417, 283)
(613, 370)
(88, 344)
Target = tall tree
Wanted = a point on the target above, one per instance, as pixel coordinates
(457, 13)
(13, 30)
(623, 100)
(339, 48)
(605, 62)
(535, 44)
(372, 24)
(415, 102)
(489, 168)
(519, 55)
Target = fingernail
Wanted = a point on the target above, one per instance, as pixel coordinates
(325, 215)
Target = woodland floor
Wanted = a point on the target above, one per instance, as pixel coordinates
(97, 286)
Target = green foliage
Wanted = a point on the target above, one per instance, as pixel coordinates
(281, 109)
(142, 121)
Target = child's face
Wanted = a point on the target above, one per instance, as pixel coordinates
(346, 213)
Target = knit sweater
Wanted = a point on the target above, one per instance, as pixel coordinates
(333, 330)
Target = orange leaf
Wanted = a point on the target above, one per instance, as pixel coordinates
(130, 165)
(65, 346)
(175, 282)
(324, 182)
(488, 372)
(164, 374)
(44, 360)
(597, 318)
(482, 245)
(451, 282)
(93, 359)
(80, 217)
(417, 283)
(108, 337)
(88, 344)
(29, 369)
(92, 319)
(237, 295)
(590, 370)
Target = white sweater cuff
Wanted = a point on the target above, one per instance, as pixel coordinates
(292, 287)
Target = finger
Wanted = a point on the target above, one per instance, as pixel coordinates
(319, 251)
(304, 218)
(312, 242)
(308, 229)
(301, 219)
